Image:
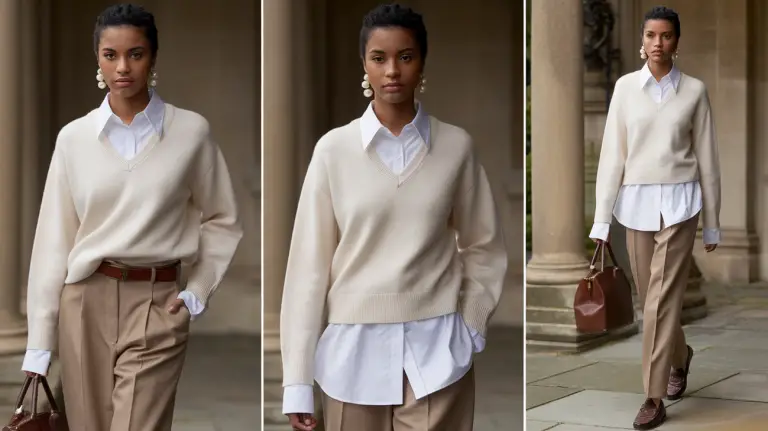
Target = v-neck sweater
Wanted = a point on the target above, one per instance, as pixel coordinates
(173, 201)
(371, 246)
(650, 143)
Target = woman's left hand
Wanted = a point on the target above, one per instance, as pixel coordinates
(176, 305)
(710, 247)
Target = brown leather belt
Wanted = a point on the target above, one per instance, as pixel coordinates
(127, 273)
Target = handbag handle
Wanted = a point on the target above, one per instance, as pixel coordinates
(35, 381)
(601, 246)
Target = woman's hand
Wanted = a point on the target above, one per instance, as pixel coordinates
(302, 421)
(600, 241)
(31, 374)
(710, 247)
(176, 305)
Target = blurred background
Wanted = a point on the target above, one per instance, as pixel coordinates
(312, 75)
(209, 62)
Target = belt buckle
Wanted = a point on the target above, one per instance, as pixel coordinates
(124, 274)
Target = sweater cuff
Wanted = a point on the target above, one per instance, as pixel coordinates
(475, 313)
(42, 333)
(600, 231)
(298, 399)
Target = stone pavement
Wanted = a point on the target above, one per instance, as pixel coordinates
(220, 388)
(602, 389)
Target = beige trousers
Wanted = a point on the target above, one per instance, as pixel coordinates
(449, 409)
(121, 354)
(660, 265)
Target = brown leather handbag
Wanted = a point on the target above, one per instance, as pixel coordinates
(24, 420)
(603, 299)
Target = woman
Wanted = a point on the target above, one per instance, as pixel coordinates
(136, 189)
(397, 239)
(658, 171)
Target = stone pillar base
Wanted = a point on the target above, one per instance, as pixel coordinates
(550, 323)
(274, 419)
(13, 335)
(736, 259)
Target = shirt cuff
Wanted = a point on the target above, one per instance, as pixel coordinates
(298, 399)
(37, 361)
(193, 304)
(600, 231)
(478, 341)
(711, 236)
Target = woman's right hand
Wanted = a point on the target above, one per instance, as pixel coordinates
(31, 374)
(302, 421)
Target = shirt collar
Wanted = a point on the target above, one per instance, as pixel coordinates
(370, 125)
(646, 76)
(154, 113)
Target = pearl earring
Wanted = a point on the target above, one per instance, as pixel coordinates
(675, 55)
(643, 54)
(153, 78)
(423, 86)
(367, 92)
(100, 78)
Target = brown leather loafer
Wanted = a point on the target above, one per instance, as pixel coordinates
(650, 416)
(678, 379)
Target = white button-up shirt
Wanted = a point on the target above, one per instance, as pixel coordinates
(638, 206)
(128, 140)
(364, 363)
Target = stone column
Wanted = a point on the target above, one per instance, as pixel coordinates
(279, 194)
(737, 259)
(31, 192)
(12, 324)
(558, 261)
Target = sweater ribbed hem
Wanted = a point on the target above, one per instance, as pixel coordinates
(351, 308)
(301, 371)
(355, 308)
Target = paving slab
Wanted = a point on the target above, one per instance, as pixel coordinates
(711, 414)
(592, 408)
(626, 377)
(731, 338)
(539, 395)
(541, 367)
(631, 349)
(741, 387)
(539, 425)
(727, 358)
(571, 427)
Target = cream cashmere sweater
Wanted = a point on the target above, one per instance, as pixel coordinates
(352, 257)
(650, 143)
(174, 200)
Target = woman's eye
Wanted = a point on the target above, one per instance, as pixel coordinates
(406, 57)
(377, 59)
(109, 56)
(136, 55)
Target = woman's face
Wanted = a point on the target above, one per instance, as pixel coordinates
(659, 40)
(393, 64)
(125, 59)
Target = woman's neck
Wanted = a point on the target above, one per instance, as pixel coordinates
(394, 116)
(660, 70)
(127, 108)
